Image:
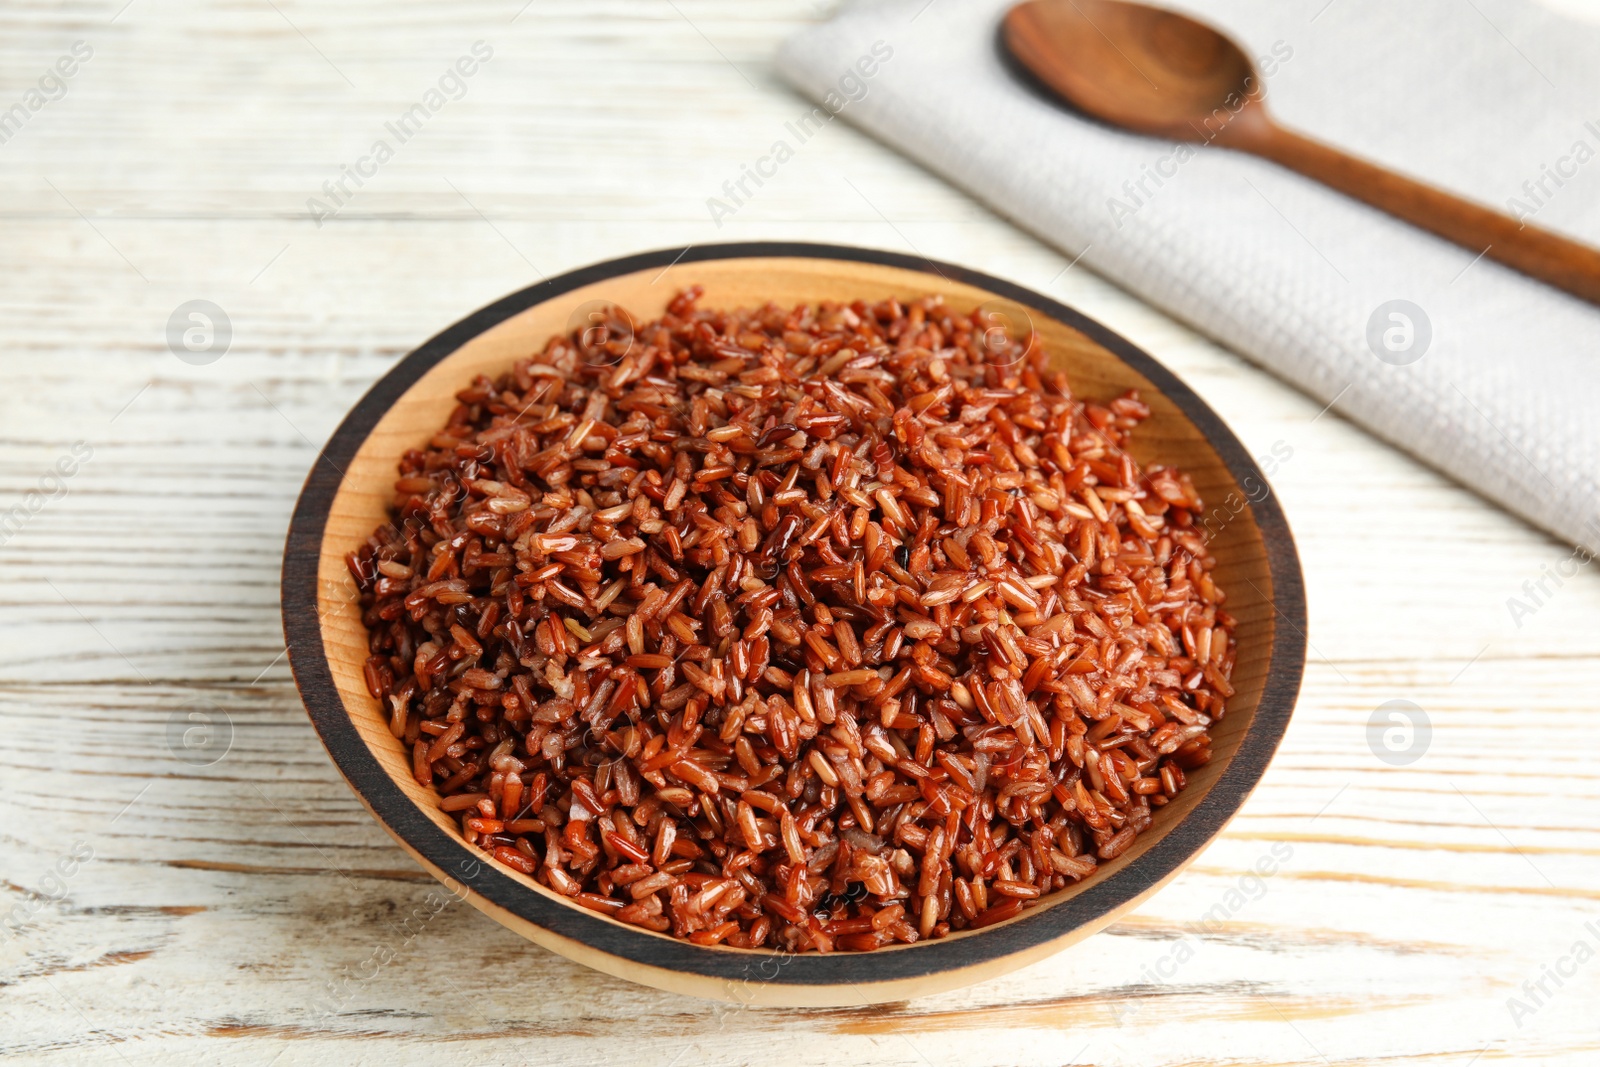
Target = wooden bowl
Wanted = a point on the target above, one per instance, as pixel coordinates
(347, 492)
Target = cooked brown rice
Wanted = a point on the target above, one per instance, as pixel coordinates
(815, 628)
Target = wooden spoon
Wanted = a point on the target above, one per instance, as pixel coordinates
(1160, 73)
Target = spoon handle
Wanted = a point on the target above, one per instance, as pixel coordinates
(1549, 257)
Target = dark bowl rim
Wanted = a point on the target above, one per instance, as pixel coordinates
(450, 854)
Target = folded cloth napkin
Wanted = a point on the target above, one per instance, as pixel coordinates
(1487, 375)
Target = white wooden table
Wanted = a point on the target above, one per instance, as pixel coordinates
(154, 910)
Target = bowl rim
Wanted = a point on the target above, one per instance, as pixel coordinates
(440, 851)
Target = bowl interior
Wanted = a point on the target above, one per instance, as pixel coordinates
(1170, 436)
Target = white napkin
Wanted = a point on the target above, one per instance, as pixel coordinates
(1477, 96)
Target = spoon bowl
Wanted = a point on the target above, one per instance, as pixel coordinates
(1143, 69)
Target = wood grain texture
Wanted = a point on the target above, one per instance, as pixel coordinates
(251, 912)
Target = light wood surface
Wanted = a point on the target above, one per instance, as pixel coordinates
(220, 901)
